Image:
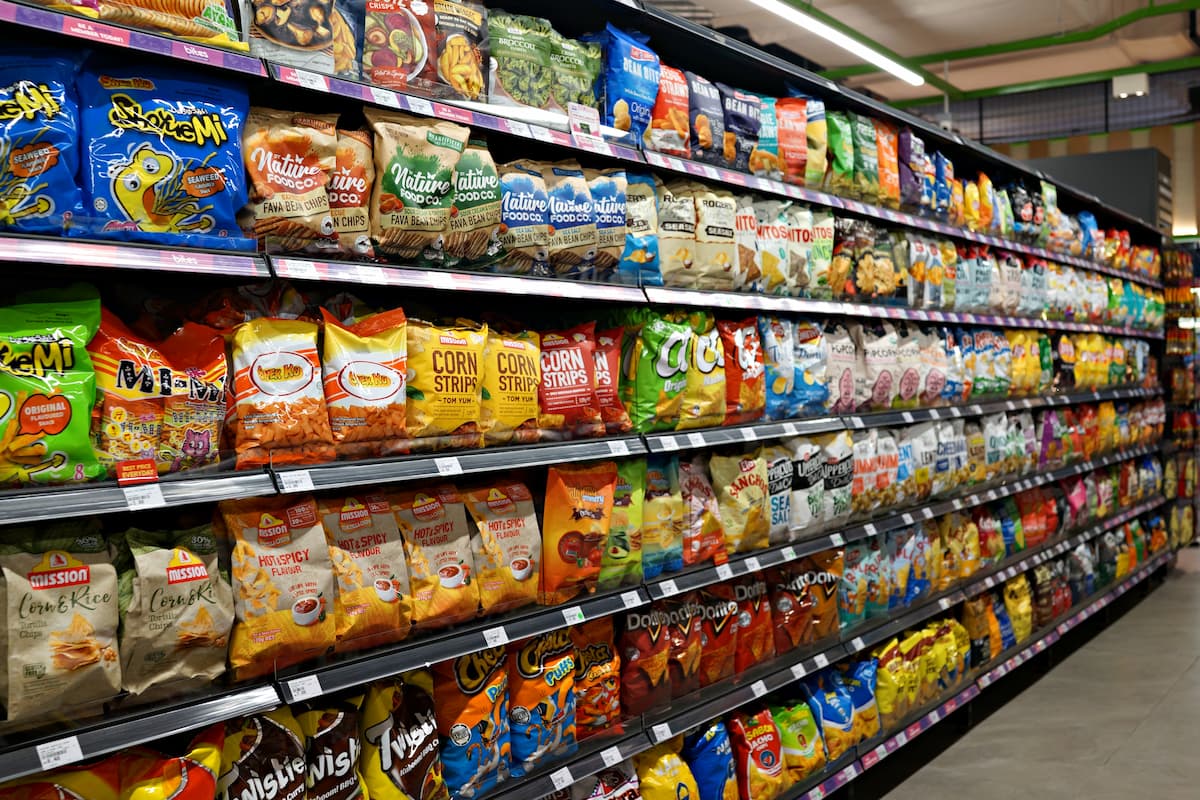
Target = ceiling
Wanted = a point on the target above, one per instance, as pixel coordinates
(915, 28)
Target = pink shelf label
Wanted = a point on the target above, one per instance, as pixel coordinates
(453, 113)
(96, 32)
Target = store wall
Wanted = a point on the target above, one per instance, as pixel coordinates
(1176, 142)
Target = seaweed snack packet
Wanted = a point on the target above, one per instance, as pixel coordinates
(397, 37)
(686, 642)
(744, 500)
(400, 756)
(791, 607)
(572, 219)
(765, 159)
(263, 749)
(415, 161)
(792, 120)
(710, 758)
(461, 33)
(608, 191)
(799, 741)
(621, 559)
(663, 775)
(645, 650)
(576, 67)
(162, 157)
(508, 407)
(445, 371)
(654, 372)
(716, 247)
(663, 517)
(471, 697)
(374, 603)
(743, 113)
(597, 677)
(745, 376)
(839, 173)
(365, 370)
(866, 157)
(569, 407)
(507, 546)
(441, 565)
(718, 632)
(575, 528)
(757, 754)
(40, 138)
(176, 607)
(541, 700)
(349, 190)
(755, 630)
(628, 84)
(607, 357)
(677, 232)
(283, 614)
(331, 747)
(194, 413)
(639, 261)
(281, 417)
(707, 121)
(289, 159)
(520, 71)
(669, 130)
(473, 231)
(67, 651)
(703, 533)
(889, 168)
(524, 219)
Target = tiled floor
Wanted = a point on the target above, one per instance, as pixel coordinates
(1118, 719)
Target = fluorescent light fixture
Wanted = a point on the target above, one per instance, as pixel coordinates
(834, 36)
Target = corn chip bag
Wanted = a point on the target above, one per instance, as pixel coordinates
(350, 187)
(607, 355)
(686, 643)
(47, 387)
(365, 367)
(718, 629)
(662, 517)
(507, 546)
(512, 373)
(541, 700)
(645, 649)
(331, 747)
(437, 541)
(575, 528)
(755, 630)
(655, 366)
(400, 755)
(445, 371)
(703, 400)
(149, 775)
(194, 413)
(621, 560)
(263, 750)
(567, 392)
(281, 416)
(471, 696)
(792, 606)
(283, 584)
(800, 741)
(744, 498)
(745, 376)
(597, 677)
(757, 754)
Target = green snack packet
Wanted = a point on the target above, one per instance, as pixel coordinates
(800, 740)
(654, 373)
(621, 562)
(47, 386)
(866, 158)
(575, 67)
(839, 173)
(817, 133)
(473, 230)
(520, 51)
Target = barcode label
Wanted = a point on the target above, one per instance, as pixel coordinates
(147, 495)
(610, 756)
(661, 731)
(448, 465)
(296, 481)
(561, 778)
(752, 564)
(668, 588)
(384, 98)
(304, 688)
(420, 105)
(696, 439)
(573, 615)
(631, 599)
(59, 752)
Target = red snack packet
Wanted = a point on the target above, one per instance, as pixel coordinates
(608, 371)
(718, 633)
(792, 607)
(645, 651)
(791, 120)
(683, 628)
(755, 633)
(567, 393)
(745, 377)
(703, 533)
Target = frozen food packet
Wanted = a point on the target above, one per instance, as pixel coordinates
(621, 560)
(639, 260)
(707, 118)
(743, 113)
(519, 71)
(669, 128)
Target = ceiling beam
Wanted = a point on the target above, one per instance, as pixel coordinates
(1021, 45)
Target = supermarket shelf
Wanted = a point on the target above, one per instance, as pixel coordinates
(83, 253)
(811, 786)
(120, 730)
(129, 38)
(758, 431)
(914, 725)
(865, 638)
(592, 757)
(389, 661)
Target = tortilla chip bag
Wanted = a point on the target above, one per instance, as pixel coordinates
(745, 375)
(437, 543)
(743, 498)
(800, 740)
(507, 546)
(755, 630)
(365, 372)
(575, 527)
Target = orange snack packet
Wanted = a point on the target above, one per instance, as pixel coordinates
(608, 371)
(365, 368)
(791, 115)
(669, 130)
(195, 411)
(350, 192)
(886, 145)
(745, 375)
(507, 546)
(575, 523)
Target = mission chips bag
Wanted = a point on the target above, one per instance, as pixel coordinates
(445, 369)
(507, 547)
(437, 542)
(508, 408)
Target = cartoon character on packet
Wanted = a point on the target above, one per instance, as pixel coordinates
(150, 191)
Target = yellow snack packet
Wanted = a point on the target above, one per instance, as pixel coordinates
(508, 411)
(445, 371)
(507, 547)
(437, 542)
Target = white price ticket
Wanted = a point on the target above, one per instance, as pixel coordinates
(59, 752)
(299, 480)
(304, 687)
(143, 496)
(495, 637)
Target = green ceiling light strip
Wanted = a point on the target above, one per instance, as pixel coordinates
(1174, 65)
(1033, 43)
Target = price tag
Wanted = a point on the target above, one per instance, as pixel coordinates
(749, 435)
(143, 496)
(311, 80)
(788, 553)
(304, 688)
(618, 448)
(419, 105)
(631, 599)
(944, 603)
(907, 416)
(448, 465)
(710, 172)
(798, 671)
(821, 660)
(518, 128)
(901, 738)
(790, 429)
(610, 756)
(758, 688)
(573, 615)
(440, 280)
(370, 274)
(541, 134)
(495, 637)
(752, 564)
(59, 752)
(668, 588)
(561, 778)
(955, 411)
(696, 439)
(302, 270)
(661, 732)
(907, 518)
(669, 444)
(299, 480)
(383, 97)
(858, 643)
(870, 529)
(817, 792)
(836, 539)
(724, 572)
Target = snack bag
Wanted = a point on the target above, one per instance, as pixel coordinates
(176, 607)
(607, 358)
(703, 400)
(791, 607)
(508, 406)
(745, 381)
(520, 73)
(66, 653)
(859, 680)
(147, 774)
(716, 246)
(832, 707)
(765, 158)
(264, 748)
(628, 85)
(441, 565)
(397, 39)
(365, 367)
(445, 370)
(331, 746)
(758, 755)
(524, 220)
(541, 704)
(645, 649)
(777, 338)
(471, 697)
(576, 66)
(567, 398)
(707, 121)
(772, 264)
(799, 741)
(608, 189)
(621, 560)
(572, 219)
(710, 757)
(575, 527)
(597, 677)
(839, 173)
(889, 167)
(281, 416)
(718, 633)
(374, 601)
(473, 231)
(811, 394)
(350, 193)
(662, 774)
(755, 630)
(683, 630)
(669, 128)
(639, 260)
(677, 232)
(743, 112)
(281, 619)
(507, 547)
(653, 374)
(194, 413)
(816, 134)
(462, 58)
(792, 119)
(400, 757)
(663, 517)
(744, 500)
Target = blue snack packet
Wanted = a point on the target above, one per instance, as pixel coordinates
(541, 700)
(943, 176)
(709, 754)
(777, 336)
(162, 156)
(639, 262)
(628, 84)
(39, 136)
(524, 219)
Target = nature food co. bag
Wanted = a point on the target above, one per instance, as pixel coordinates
(350, 193)
(507, 546)
(473, 233)
(437, 541)
(445, 369)
(61, 598)
(176, 607)
(374, 603)
(283, 584)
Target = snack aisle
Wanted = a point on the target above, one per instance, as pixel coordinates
(1180, 359)
(791, 443)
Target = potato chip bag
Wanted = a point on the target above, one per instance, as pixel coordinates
(792, 606)
(1019, 603)
(677, 232)
(365, 370)
(654, 372)
(331, 747)
(859, 680)
(471, 696)
(374, 601)
(265, 749)
(607, 357)
(792, 121)
(437, 543)
(799, 740)
(709, 756)
(716, 249)
(621, 561)
(776, 335)
(597, 677)
(743, 118)
(62, 602)
(889, 166)
(669, 129)
(445, 370)
(507, 547)
(194, 413)
(575, 526)
(816, 134)
(512, 372)
(779, 486)
(662, 517)
(745, 381)
(890, 696)
(281, 417)
(686, 643)
(757, 754)
(755, 631)
(663, 775)
(567, 391)
(400, 755)
(833, 709)
(176, 607)
(703, 533)
(282, 583)
(415, 159)
(744, 500)
(703, 401)
(541, 700)
(147, 774)
(640, 259)
(645, 651)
